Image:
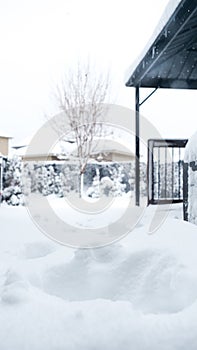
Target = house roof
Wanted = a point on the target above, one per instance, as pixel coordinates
(170, 58)
(69, 150)
(108, 146)
(5, 136)
(23, 151)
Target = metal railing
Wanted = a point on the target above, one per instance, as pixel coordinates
(165, 170)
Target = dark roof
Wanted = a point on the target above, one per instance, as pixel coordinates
(171, 59)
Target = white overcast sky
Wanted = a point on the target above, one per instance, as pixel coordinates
(40, 38)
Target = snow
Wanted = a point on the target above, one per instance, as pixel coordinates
(191, 158)
(69, 150)
(191, 149)
(59, 149)
(139, 293)
(170, 8)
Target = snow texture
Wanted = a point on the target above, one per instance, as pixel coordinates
(139, 293)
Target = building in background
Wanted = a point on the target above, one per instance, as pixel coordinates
(4, 152)
(103, 150)
(4, 145)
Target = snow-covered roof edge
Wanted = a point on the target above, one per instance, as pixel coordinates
(6, 136)
(169, 10)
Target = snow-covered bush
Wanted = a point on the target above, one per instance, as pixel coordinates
(69, 179)
(12, 191)
(61, 179)
(119, 186)
(115, 179)
(94, 190)
(106, 185)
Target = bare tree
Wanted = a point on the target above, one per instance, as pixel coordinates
(81, 97)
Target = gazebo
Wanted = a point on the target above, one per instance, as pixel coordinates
(169, 61)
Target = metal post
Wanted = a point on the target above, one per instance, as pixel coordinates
(185, 191)
(137, 147)
(172, 182)
(150, 173)
(158, 164)
(179, 166)
(166, 172)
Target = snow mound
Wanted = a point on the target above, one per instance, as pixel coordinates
(14, 289)
(37, 249)
(156, 282)
(139, 293)
(152, 280)
(102, 255)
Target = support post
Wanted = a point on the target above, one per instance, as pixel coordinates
(137, 146)
(185, 191)
(150, 174)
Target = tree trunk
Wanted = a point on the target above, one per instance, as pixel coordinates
(80, 184)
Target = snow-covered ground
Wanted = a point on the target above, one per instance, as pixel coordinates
(139, 293)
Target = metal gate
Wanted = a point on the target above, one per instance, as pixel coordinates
(165, 170)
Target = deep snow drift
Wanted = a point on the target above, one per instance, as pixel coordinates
(138, 293)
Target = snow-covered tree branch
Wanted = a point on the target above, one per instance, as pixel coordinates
(81, 97)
